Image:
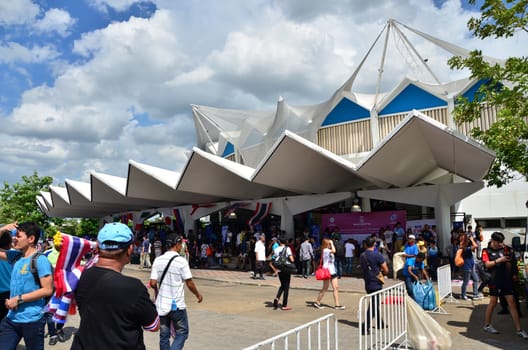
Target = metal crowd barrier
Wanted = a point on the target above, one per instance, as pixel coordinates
(317, 334)
(445, 288)
(386, 313)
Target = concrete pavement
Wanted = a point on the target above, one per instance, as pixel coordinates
(237, 312)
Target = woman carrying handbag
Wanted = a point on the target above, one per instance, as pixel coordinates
(327, 258)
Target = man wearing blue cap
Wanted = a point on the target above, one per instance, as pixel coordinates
(114, 308)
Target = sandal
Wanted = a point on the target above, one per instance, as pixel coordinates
(286, 308)
(275, 303)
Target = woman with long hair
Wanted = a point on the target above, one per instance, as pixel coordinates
(328, 257)
(468, 246)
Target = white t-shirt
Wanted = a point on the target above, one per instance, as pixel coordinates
(328, 260)
(171, 294)
(277, 251)
(388, 236)
(349, 250)
(260, 251)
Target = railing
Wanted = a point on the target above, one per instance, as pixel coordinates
(304, 337)
(383, 319)
(445, 288)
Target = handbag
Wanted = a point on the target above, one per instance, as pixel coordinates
(459, 260)
(322, 273)
(484, 274)
(283, 263)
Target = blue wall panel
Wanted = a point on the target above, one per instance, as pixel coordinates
(229, 149)
(412, 97)
(345, 111)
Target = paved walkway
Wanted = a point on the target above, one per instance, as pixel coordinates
(237, 312)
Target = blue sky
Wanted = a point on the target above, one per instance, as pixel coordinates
(88, 85)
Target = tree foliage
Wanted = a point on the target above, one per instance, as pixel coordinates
(506, 89)
(19, 201)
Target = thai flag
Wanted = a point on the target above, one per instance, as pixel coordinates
(260, 213)
(195, 207)
(178, 221)
(231, 209)
(68, 269)
(61, 307)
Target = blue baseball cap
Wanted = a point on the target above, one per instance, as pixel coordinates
(114, 236)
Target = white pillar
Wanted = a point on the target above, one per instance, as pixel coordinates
(280, 206)
(443, 223)
(365, 205)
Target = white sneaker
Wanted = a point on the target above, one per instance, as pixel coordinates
(318, 306)
(489, 329)
(522, 334)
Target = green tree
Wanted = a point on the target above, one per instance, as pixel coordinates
(88, 227)
(507, 89)
(19, 203)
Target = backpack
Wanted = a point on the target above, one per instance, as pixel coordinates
(34, 271)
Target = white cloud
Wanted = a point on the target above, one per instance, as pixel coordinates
(118, 5)
(17, 12)
(55, 20)
(227, 54)
(12, 52)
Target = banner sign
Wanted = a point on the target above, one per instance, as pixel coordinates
(363, 223)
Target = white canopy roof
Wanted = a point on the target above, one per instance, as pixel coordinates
(419, 151)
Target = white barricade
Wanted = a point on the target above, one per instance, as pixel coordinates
(445, 288)
(383, 319)
(305, 336)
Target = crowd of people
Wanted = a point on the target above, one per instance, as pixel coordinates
(104, 295)
(114, 309)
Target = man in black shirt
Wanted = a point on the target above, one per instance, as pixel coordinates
(114, 308)
(500, 262)
(372, 263)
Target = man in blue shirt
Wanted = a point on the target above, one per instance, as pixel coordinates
(412, 270)
(26, 303)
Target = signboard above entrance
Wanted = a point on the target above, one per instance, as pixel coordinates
(363, 223)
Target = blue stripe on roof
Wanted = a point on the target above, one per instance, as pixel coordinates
(412, 97)
(345, 111)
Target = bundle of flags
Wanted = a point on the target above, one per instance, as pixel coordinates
(67, 274)
(260, 213)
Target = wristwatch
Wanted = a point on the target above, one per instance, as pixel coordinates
(20, 300)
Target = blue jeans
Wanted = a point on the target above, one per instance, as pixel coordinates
(338, 263)
(181, 326)
(409, 281)
(306, 267)
(11, 333)
(470, 273)
(349, 265)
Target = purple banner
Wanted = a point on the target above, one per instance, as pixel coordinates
(363, 223)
